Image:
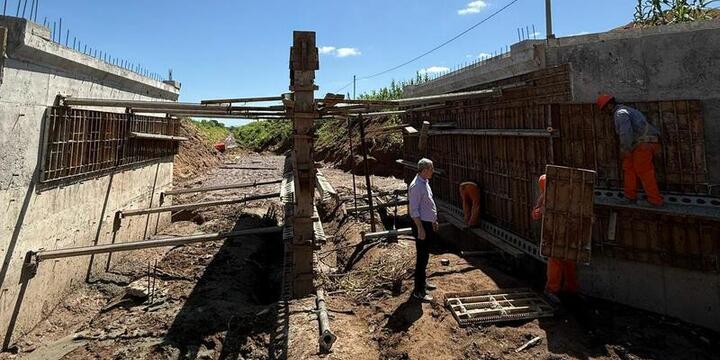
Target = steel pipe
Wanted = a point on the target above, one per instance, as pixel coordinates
(136, 245)
(140, 135)
(221, 187)
(377, 206)
(424, 100)
(215, 109)
(497, 132)
(393, 232)
(327, 337)
(165, 106)
(126, 213)
(242, 100)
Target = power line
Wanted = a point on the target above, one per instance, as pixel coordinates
(343, 88)
(439, 46)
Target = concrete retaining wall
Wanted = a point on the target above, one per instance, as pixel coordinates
(35, 71)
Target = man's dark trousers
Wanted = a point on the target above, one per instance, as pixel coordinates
(422, 249)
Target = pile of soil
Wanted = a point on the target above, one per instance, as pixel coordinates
(383, 149)
(196, 155)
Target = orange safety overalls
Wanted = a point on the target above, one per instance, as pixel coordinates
(561, 274)
(470, 198)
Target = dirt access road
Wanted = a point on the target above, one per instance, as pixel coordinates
(220, 300)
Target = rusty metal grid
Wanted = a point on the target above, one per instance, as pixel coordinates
(493, 306)
(82, 143)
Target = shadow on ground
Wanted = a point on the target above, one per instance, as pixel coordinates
(233, 309)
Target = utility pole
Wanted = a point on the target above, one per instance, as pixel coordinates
(548, 20)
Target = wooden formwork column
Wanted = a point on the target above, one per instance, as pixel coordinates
(303, 63)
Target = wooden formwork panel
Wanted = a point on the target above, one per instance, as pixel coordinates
(507, 168)
(493, 306)
(589, 140)
(658, 239)
(567, 223)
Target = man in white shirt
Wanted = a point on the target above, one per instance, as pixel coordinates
(424, 214)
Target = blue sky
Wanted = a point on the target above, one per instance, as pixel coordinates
(240, 48)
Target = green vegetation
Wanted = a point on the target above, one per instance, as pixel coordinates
(212, 129)
(662, 12)
(263, 135)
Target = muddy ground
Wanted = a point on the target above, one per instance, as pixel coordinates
(220, 300)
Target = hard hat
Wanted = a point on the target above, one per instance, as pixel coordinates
(603, 100)
(541, 182)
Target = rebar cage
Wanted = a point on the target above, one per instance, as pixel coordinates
(79, 144)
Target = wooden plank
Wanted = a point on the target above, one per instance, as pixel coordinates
(568, 218)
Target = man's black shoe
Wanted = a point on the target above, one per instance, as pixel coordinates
(422, 297)
(430, 286)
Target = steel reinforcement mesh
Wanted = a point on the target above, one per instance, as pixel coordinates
(83, 143)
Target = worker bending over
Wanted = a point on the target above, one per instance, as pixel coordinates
(424, 215)
(561, 276)
(638, 144)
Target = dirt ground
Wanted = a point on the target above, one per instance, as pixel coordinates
(220, 300)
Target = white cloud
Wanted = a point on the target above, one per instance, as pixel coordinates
(580, 33)
(483, 55)
(345, 52)
(326, 50)
(536, 34)
(339, 52)
(434, 70)
(473, 7)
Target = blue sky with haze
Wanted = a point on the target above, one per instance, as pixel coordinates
(240, 48)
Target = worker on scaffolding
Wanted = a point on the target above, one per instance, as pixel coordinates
(561, 274)
(424, 215)
(639, 142)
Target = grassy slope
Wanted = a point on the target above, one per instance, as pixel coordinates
(211, 129)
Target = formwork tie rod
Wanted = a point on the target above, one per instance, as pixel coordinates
(136, 245)
(221, 187)
(196, 205)
(382, 205)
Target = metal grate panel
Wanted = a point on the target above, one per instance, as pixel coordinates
(492, 306)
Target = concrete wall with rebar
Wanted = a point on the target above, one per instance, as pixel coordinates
(33, 71)
(667, 262)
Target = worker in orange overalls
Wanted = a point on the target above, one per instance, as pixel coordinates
(470, 197)
(639, 142)
(561, 276)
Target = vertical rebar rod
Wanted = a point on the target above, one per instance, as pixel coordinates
(352, 167)
(367, 172)
(4, 7)
(17, 12)
(67, 37)
(534, 32)
(32, 10)
(59, 40)
(24, 8)
(37, 3)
